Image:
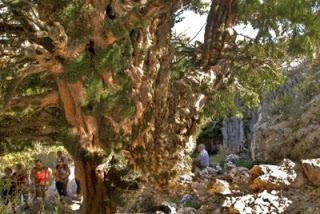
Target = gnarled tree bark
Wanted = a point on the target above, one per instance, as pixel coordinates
(166, 111)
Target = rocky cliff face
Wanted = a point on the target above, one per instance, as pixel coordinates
(289, 119)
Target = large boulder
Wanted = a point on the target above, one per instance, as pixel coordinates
(311, 168)
(167, 208)
(239, 175)
(233, 158)
(200, 189)
(219, 187)
(260, 203)
(208, 172)
(272, 177)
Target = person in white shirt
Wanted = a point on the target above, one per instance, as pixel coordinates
(202, 160)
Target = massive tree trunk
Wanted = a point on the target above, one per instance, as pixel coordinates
(93, 187)
(85, 151)
(111, 62)
(165, 114)
(148, 128)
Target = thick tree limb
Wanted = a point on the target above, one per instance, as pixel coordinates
(39, 101)
(217, 39)
(21, 75)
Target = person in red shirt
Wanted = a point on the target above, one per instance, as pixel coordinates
(20, 179)
(40, 175)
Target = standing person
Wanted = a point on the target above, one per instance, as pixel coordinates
(20, 178)
(62, 175)
(61, 157)
(8, 188)
(40, 175)
(202, 160)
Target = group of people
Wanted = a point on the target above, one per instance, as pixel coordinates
(16, 183)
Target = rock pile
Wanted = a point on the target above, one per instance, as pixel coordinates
(260, 203)
(286, 188)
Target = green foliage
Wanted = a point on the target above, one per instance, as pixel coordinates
(77, 67)
(292, 23)
(291, 103)
(223, 105)
(197, 6)
(244, 163)
(192, 203)
(36, 84)
(221, 156)
(114, 57)
(119, 30)
(119, 106)
(185, 55)
(210, 131)
(7, 145)
(94, 91)
(283, 34)
(72, 16)
(309, 86)
(37, 150)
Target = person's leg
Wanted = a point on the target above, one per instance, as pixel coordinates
(65, 185)
(194, 166)
(25, 195)
(5, 198)
(38, 191)
(43, 193)
(59, 186)
(78, 186)
(13, 197)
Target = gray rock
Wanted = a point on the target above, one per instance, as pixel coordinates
(208, 172)
(186, 198)
(232, 158)
(240, 175)
(187, 210)
(229, 165)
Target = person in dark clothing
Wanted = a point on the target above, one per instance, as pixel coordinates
(20, 178)
(62, 175)
(8, 188)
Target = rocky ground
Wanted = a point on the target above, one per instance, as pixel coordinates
(288, 187)
(292, 188)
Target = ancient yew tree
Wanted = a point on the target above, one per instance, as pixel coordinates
(107, 77)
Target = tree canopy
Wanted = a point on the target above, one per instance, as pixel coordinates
(108, 76)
